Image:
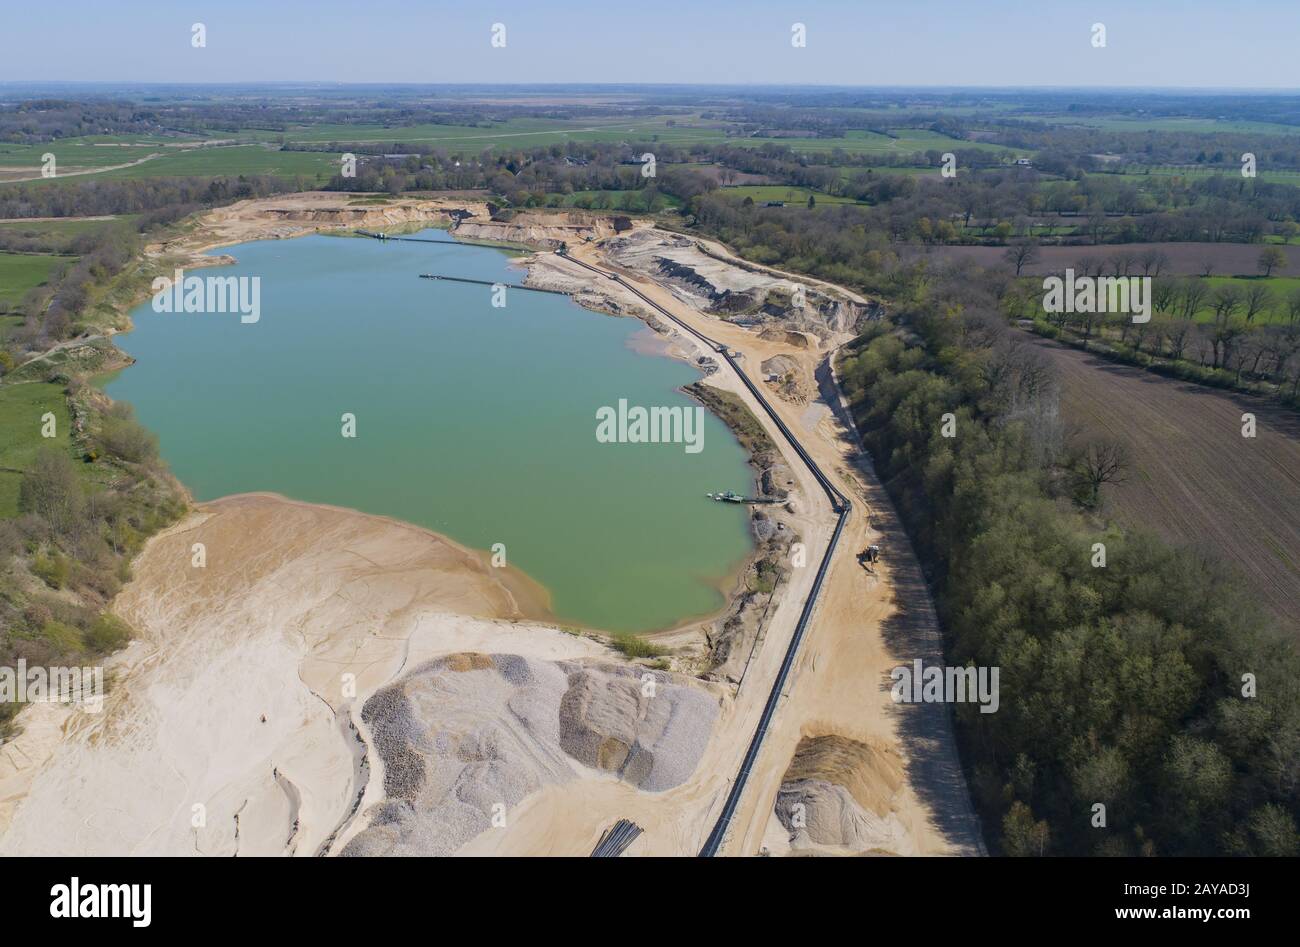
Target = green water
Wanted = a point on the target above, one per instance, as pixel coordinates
(474, 421)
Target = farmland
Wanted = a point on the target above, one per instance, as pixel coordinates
(233, 160)
(512, 133)
(63, 228)
(776, 192)
(21, 408)
(1194, 478)
(901, 141)
(208, 161)
(88, 152)
(259, 151)
(20, 272)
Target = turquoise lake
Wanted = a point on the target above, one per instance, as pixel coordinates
(474, 421)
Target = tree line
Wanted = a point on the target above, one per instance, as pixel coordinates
(1153, 686)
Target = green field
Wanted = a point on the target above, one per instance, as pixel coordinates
(1281, 287)
(781, 192)
(20, 272)
(515, 133)
(1151, 123)
(66, 228)
(21, 408)
(902, 141)
(258, 149)
(1168, 171)
(615, 200)
(234, 159)
(62, 227)
(218, 160)
(71, 153)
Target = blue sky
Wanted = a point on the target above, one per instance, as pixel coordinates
(1163, 43)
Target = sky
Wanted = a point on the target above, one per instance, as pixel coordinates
(1149, 43)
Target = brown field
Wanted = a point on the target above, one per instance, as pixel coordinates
(1193, 478)
(1183, 259)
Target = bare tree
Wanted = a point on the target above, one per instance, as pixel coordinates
(1292, 372)
(1085, 265)
(1021, 253)
(1270, 259)
(1192, 295)
(1179, 333)
(1293, 308)
(1225, 302)
(1152, 262)
(1097, 226)
(1150, 335)
(1283, 344)
(1254, 347)
(1163, 294)
(1259, 298)
(1102, 461)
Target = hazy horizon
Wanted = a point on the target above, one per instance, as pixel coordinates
(613, 86)
(1187, 46)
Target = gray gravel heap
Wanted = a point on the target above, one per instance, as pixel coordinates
(466, 737)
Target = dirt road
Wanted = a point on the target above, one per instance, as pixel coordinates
(16, 175)
(866, 625)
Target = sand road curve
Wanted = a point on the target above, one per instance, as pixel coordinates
(843, 509)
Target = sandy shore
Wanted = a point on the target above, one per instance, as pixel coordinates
(245, 678)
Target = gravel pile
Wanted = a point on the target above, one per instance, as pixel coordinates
(838, 793)
(466, 737)
(635, 723)
(826, 814)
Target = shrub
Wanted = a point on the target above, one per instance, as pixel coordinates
(634, 647)
(53, 569)
(51, 489)
(123, 437)
(107, 633)
(65, 639)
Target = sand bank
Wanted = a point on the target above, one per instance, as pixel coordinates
(230, 725)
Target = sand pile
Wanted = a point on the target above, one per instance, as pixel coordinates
(777, 334)
(235, 696)
(722, 288)
(464, 738)
(541, 229)
(636, 724)
(838, 793)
